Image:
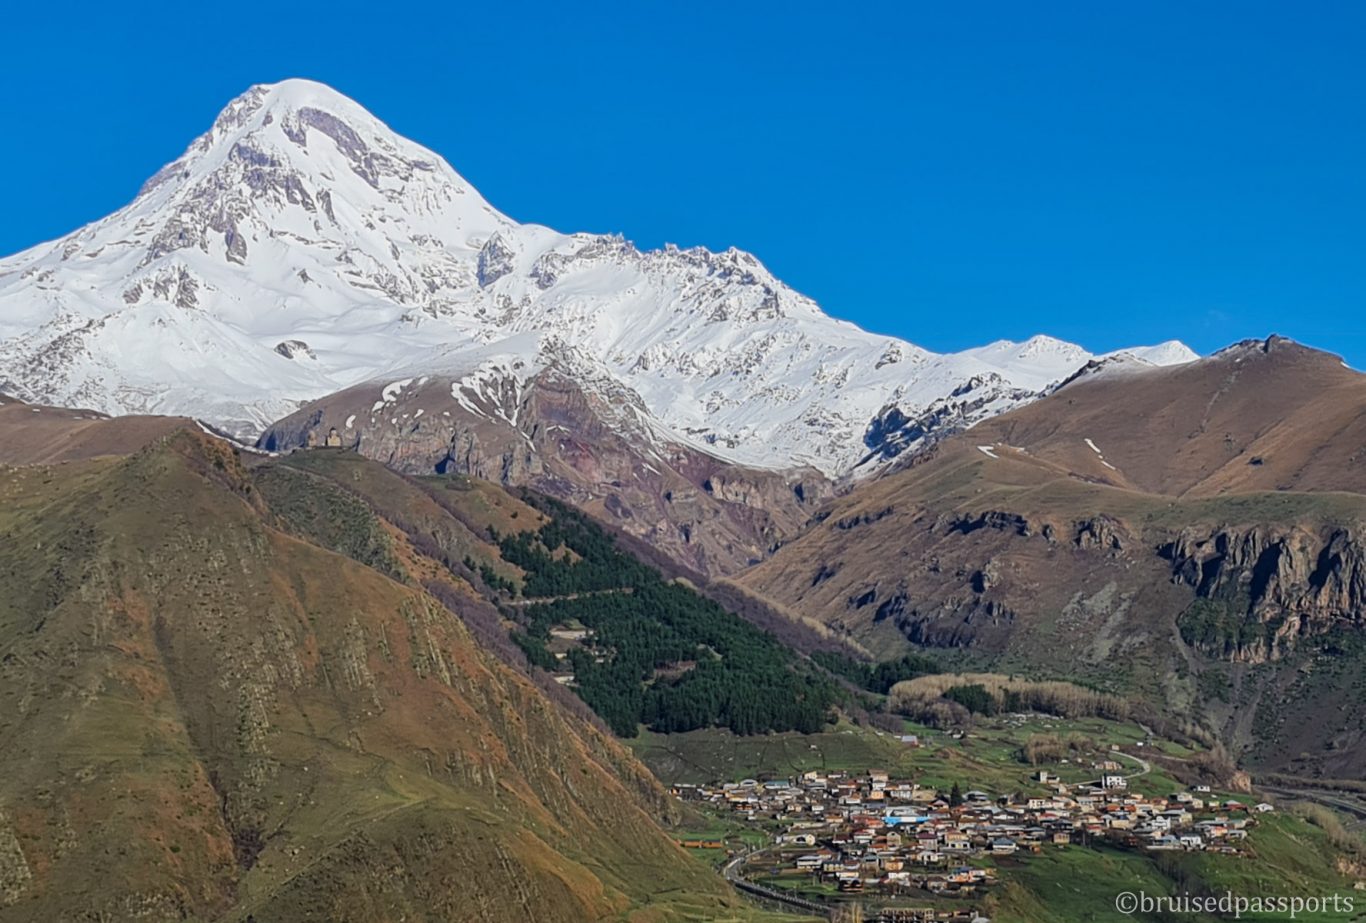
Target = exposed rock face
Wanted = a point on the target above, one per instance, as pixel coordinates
(294, 349)
(1264, 587)
(893, 434)
(591, 446)
(997, 520)
(1102, 532)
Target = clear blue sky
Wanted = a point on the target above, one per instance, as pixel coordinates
(1110, 173)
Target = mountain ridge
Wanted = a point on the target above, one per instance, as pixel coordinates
(1190, 536)
(300, 247)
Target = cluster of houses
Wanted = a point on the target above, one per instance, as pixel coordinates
(867, 831)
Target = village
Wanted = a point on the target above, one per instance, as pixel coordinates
(853, 833)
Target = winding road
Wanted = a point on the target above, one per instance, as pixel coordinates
(731, 871)
(1144, 767)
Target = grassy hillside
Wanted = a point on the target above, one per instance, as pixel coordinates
(229, 694)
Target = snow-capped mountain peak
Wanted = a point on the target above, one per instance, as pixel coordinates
(298, 131)
(1172, 352)
(300, 247)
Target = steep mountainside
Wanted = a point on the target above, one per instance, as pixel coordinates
(585, 442)
(1262, 415)
(231, 694)
(300, 247)
(1190, 535)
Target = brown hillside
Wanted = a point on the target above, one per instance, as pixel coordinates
(31, 434)
(1259, 416)
(1208, 555)
(207, 718)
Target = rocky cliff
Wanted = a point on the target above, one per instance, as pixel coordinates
(1261, 589)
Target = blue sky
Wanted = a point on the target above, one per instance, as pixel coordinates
(1110, 173)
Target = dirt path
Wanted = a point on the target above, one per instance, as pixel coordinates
(1144, 767)
(536, 601)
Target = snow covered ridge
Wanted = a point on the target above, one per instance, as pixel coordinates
(300, 247)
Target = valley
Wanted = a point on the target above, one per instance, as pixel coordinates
(769, 750)
(445, 652)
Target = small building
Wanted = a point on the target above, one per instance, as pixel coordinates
(954, 841)
(1003, 846)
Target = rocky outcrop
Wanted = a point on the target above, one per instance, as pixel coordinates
(967, 523)
(893, 432)
(862, 519)
(1102, 533)
(957, 622)
(1260, 589)
(492, 460)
